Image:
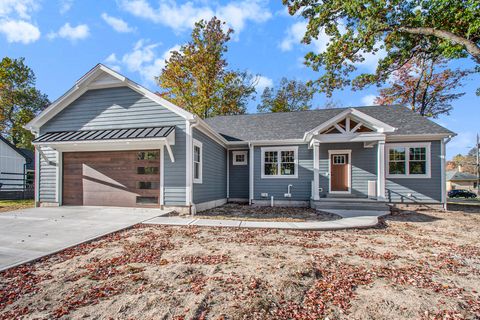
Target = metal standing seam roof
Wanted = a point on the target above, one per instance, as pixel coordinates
(105, 134)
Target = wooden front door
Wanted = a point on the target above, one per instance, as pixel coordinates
(112, 178)
(339, 172)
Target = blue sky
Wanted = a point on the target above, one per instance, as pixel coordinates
(62, 39)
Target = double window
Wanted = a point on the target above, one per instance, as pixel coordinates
(408, 160)
(279, 162)
(197, 161)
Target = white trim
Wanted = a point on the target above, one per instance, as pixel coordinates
(169, 150)
(239, 153)
(268, 142)
(378, 125)
(59, 184)
(349, 153)
(188, 164)
(162, 176)
(279, 149)
(250, 173)
(443, 172)
(316, 171)
(407, 146)
(228, 173)
(381, 171)
(199, 145)
(37, 177)
(82, 85)
(418, 137)
(350, 137)
(117, 145)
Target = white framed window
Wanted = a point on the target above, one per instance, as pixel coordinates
(197, 161)
(408, 160)
(239, 158)
(279, 162)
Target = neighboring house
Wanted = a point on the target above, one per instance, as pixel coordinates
(457, 179)
(14, 163)
(109, 141)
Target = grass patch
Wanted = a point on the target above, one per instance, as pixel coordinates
(10, 205)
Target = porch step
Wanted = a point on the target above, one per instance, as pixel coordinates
(351, 204)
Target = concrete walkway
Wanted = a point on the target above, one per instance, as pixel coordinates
(29, 234)
(350, 219)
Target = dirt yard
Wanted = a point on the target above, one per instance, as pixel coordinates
(237, 211)
(423, 265)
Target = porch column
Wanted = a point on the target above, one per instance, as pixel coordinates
(381, 171)
(316, 171)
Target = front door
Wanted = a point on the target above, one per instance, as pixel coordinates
(339, 173)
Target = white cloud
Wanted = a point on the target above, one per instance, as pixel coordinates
(20, 8)
(182, 17)
(294, 35)
(117, 24)
(19, 31)
(71, 33)
(65, 6)
(142, 59)
(369, 100)
(15, 21)
(262, 83)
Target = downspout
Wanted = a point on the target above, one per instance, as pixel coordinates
(251, 184)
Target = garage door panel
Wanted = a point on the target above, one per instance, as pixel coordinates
(117, 178)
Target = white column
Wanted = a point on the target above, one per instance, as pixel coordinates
(316, 171)
(59, 169)
(162, 175)
(381, 171)
(37, 177)
(188, 164)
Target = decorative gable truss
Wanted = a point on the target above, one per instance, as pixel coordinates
(350, 125)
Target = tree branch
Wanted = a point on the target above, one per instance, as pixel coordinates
(469, 45)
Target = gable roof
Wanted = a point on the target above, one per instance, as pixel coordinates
(293, 125)
(99, 77)
(455, 175)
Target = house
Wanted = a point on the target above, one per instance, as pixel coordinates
(15, 163)
(457, 179)
(109, 141)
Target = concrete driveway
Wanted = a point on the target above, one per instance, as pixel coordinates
(29, 234)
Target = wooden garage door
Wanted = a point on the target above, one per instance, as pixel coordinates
(114, 178)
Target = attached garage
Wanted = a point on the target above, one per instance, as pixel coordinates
(111, 178)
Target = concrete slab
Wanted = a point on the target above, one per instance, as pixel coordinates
(29, 234)
(216, 223)
(267, 224)
(175, 221)
(357, 213)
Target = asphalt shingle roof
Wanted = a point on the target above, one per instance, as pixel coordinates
(293, 125)
(460, 176)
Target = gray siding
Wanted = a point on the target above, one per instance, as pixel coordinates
(214, 170)
(48, 175)
(364, 166)
(301, 189)
(421, 190)
(123, 108)
(239, 176)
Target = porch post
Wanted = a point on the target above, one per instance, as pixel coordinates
(381, 171)
(316, 171)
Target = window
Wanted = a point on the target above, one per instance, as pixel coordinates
(408, 160)
(147, 170)
(148, 155)
(148, 185)
(279, 162)
(339, 159)
(197, 161)
(239, 158)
